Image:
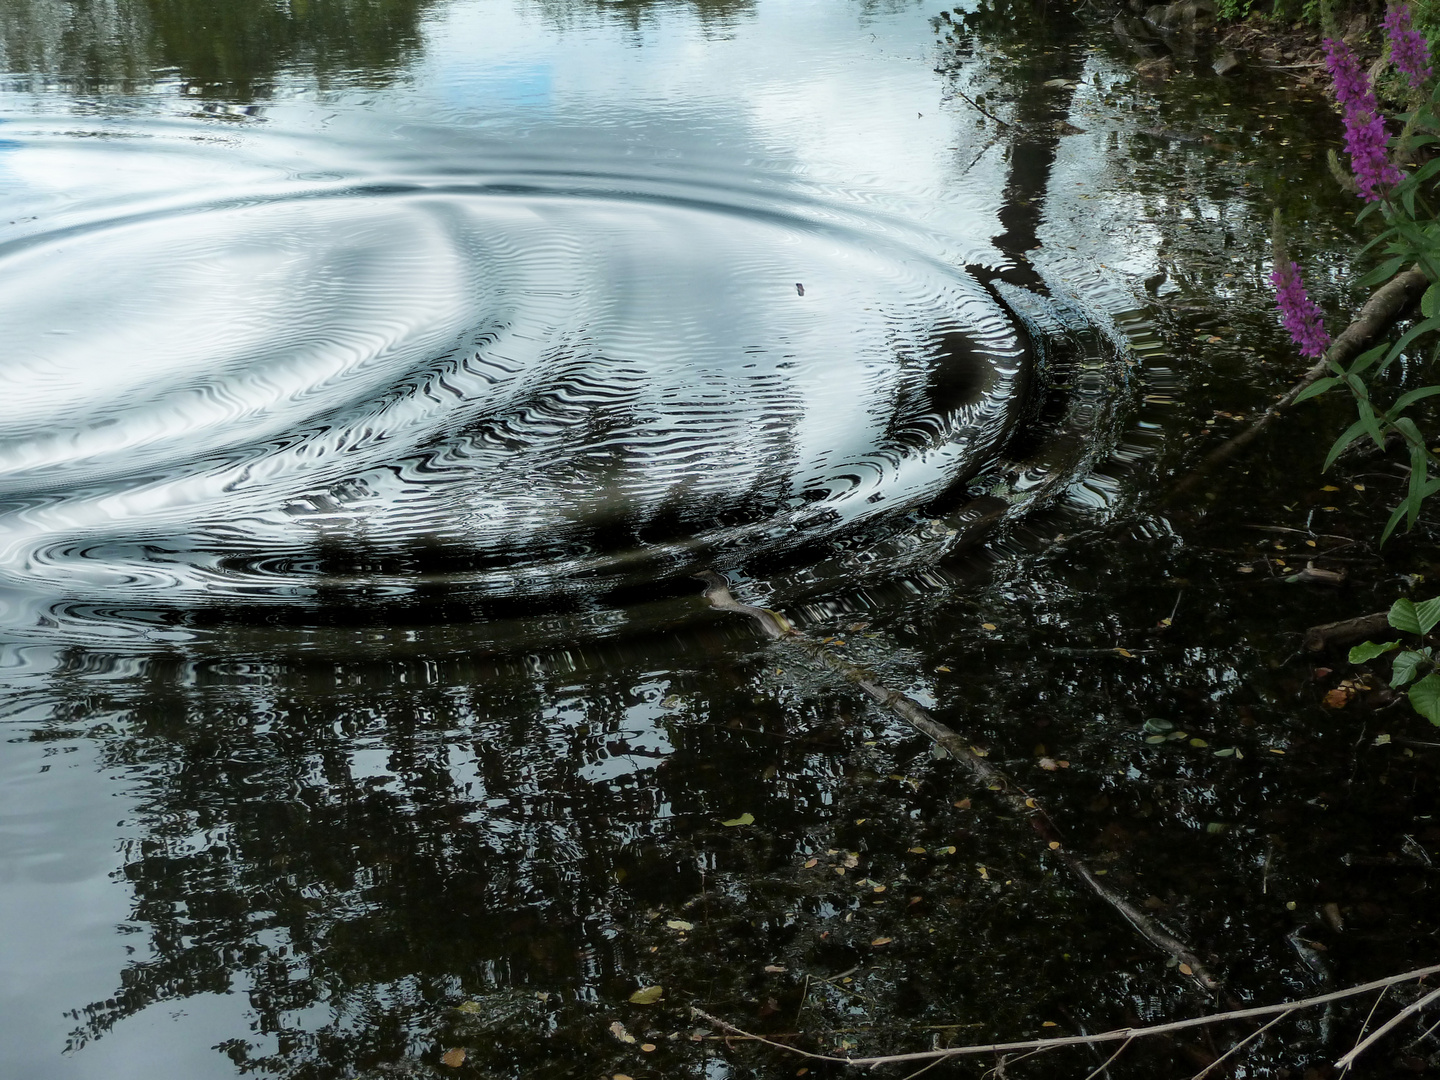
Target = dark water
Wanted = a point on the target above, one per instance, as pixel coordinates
(376, 376)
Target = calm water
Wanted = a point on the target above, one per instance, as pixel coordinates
(376, 376)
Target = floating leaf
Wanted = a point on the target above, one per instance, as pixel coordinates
(454, 1058)
(882, 941)
(1230, 752)
(649, 1048)
(618, 1030)
(810, 862)
(916, 850)
(1186, 969)
(648, 995)
(1369, 650)
(679, 924)
(1198, 743)
(775, 969)
(743, 819)
(987, 626)
(470, 1008)
(1158, 725)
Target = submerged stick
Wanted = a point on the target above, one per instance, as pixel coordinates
(1317, 638)
(777, 627)
(1117, 1035)
(1385, 305)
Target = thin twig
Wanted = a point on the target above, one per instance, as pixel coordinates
(1349, 1059)
(981, 108)
(1025, 805)
(1104, 1065)
(1120, 1034)
(1241, 1044)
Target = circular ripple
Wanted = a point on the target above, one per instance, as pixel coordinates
(501, 387)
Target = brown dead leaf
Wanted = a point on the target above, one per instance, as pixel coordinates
(1339, 697)
(454, 1058)
(882, 941)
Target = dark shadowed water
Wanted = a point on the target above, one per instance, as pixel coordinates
(376, 375)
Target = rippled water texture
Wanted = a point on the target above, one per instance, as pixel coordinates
(515, 383)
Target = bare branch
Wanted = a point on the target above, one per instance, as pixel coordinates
(1120, 1034)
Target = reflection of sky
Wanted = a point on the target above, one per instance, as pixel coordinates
(801, 96)
(850, 108)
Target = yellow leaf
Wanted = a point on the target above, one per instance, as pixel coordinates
(649, 1048)
(1185, 969)
(743, 819)
(978, 752)
(679, 924)
(811, 862)
(1125, 653)
(1054, 845)
(882, 941)
(879, 888)
(916, 850)
(1049, 1023)
(647, 995)
(618, 1030)
(454, 1058)
(987, 626)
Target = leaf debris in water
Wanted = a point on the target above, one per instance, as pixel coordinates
(743, 819)
(454, 1058)
(647, 995)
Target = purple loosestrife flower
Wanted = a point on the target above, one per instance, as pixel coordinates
(1365, 135)
(1298, 312)
(1409, 51)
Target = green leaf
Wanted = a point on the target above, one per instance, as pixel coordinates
(1427, 613)
(1364, 360)
(1418, 394)
(1370, 423)
(1368, 650)
(743, 819)
(1425, 697)
(1396, 516)
(1406, 665)
(1423, 327)
(1319, 386)
(648, 995)
(1430, 302)
(1384, 272)
(1403, 617)
(1349, 435)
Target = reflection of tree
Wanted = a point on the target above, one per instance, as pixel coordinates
(237, 49)
(1040, 37)
(634, 13)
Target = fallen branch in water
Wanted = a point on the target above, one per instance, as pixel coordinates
(777, 627)
(1385, 305)
(1119, 1034)
(1318, 638)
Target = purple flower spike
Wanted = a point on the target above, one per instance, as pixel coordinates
(1409, 51)
(1298, 312)
(1365, 135)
